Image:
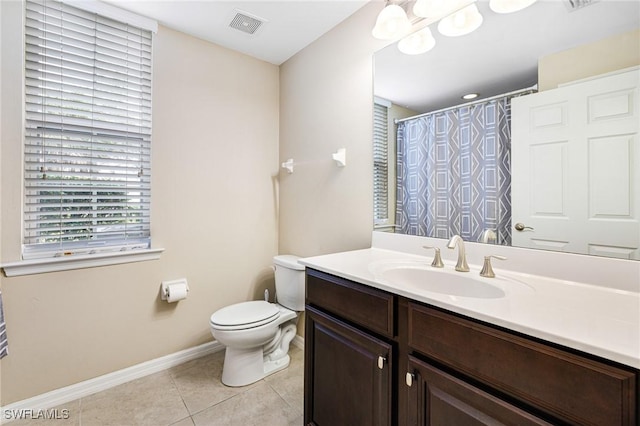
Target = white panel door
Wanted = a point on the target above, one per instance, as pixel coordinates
(576, 167)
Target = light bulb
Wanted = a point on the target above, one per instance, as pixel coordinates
(462, 22)
(417, 43)
(459, 20)
(392, 23)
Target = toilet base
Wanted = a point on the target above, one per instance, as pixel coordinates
(271, 367)
(242, 366)
(245, 366)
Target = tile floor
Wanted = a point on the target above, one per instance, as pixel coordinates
(191, 394)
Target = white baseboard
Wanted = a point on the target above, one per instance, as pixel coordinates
(298, 341)
(79, 390)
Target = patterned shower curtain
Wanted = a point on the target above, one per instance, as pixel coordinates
(454, 173)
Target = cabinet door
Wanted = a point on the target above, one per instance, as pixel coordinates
(347, 374)
(439, 399)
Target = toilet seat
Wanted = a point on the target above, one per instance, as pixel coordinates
(244, 315)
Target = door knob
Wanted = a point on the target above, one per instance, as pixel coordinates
(521, 227)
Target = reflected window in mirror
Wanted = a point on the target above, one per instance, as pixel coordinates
(381, 163)
(386, 114)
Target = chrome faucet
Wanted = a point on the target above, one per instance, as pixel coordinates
(456, 240)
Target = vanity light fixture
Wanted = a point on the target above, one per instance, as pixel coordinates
(457, 17)
(454, 17)
(392, 23)
(509, 6)
(419, 42)
(462, 22)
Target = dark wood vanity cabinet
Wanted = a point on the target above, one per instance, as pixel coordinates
(375, 358)
(564, 385)
(348, 376)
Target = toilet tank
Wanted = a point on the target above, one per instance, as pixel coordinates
(289, 281)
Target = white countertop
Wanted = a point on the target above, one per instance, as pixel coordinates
(598, 320)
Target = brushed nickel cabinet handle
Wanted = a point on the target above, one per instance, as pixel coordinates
(409, 379)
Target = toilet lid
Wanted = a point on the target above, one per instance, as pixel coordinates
(245, 314)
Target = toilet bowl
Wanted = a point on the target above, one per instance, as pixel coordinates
(257, 333)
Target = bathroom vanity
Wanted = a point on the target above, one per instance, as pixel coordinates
(380, 352)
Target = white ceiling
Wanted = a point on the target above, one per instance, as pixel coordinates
(290, 25)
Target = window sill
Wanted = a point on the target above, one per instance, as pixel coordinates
(55, 264)
(385, 227)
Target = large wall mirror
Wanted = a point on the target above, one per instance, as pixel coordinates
(526, 67)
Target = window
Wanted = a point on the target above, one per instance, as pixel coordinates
(380, 162)
(87, 151)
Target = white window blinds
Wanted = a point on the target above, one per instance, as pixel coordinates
(88, 132)
(380, 163)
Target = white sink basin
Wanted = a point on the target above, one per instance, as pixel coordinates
(421, 278)
(459, 284)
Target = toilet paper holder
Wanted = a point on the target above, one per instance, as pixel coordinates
(164, 288)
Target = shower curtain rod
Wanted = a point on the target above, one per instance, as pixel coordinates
(502, 95)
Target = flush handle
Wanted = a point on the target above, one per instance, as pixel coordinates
(381, 361)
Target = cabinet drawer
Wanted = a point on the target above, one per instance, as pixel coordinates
(572, 388)
(365, 306)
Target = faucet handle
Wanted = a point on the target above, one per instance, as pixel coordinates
(487, 270)
(437, 259)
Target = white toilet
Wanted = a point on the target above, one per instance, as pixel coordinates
(257, 333)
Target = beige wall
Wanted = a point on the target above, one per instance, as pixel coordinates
(613, 53)
(326, 102)
(215, 155)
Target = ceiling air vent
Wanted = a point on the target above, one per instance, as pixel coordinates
(246, 23)
(577, 4)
